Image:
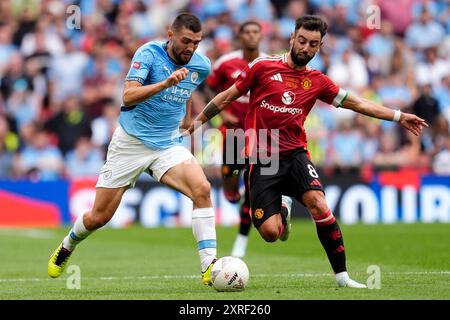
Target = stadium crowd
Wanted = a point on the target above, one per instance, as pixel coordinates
(61, 82)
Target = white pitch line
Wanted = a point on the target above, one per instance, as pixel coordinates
(28, 233)
(261, 275)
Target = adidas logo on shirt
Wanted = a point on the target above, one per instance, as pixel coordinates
(277, 77)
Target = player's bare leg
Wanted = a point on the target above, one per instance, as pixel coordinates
(105, 205)
(189, 179)
(278, 226)
(330, 236)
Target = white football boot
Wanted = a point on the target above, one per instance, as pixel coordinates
(287, 203)
(343, 280)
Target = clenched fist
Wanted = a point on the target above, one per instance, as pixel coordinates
(176, 77)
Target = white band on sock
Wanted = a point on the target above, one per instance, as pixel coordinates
(77, 234)
(204, 229)
(203, 213)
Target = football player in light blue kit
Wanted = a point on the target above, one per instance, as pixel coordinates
(156, 103)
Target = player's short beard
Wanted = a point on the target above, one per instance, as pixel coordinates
(178, 59)
(300, 61)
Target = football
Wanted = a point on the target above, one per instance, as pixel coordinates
(229, 274)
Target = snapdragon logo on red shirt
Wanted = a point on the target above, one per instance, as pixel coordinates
(288, 97)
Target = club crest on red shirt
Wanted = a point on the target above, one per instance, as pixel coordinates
(306, 83)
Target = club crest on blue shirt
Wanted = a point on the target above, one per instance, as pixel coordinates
(194, 77)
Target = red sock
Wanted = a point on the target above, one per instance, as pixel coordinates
(330, 237)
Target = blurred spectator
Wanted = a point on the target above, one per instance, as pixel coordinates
(349, 71)
(41, 160)
(8, 139)
(426, 106)
(66, 72)
(139, 22)
(402, 63)
(387, 154)
(394, 93)
(102, 69)
(339, 22)
(260, 10)
(24, 104)
(14, 77)
(381, 44)
(103, 127)
(433, 69)
(390, 10)
(439, 130)
(84, 161)
(8, 143)
(424, 32)
(346, 146)
(431, 6)
(441, 162)
(294, 9)
(43, 36)
(370, 137)
(69, 124)
(442, 94)
(7, 49)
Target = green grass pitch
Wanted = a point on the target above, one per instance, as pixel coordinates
(162, 263)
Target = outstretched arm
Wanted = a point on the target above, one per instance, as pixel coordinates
(409, 121)
(217, 104)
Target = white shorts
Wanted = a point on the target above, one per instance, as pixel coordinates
(127, 158)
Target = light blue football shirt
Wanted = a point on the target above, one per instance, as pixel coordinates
(155, 121)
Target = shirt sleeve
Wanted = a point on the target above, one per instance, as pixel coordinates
(141, 65)
(332, 94)
(245, 80)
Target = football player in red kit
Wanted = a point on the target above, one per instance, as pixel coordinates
(283, 89)
(225, 72)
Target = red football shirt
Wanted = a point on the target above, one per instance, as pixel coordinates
(224, 74)
(281, 98)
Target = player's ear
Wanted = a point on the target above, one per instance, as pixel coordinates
(169, 33)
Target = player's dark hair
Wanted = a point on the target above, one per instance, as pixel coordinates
(248, 23)
(312, 23)
(187, 20)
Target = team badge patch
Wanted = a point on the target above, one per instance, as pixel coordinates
(194, 77)
(259, 213)
(136, 65)
(306, 83)
(107, 175)
(292, 82)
